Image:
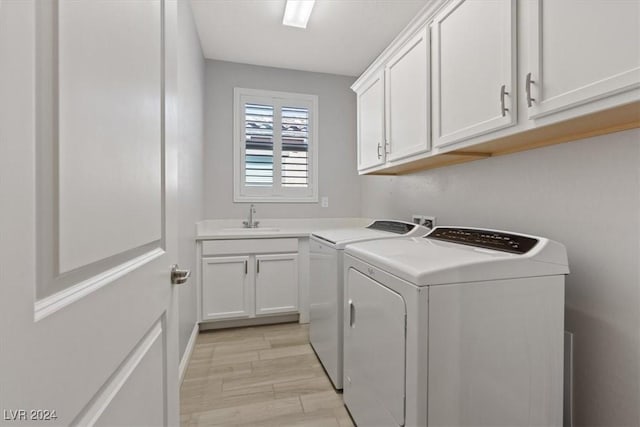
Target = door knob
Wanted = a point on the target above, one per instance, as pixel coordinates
(178, 277)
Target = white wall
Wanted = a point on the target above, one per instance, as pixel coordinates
(190, 168)
(338, 178)
(585, 194)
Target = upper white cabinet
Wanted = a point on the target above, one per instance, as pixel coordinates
(474, 69)
(407, 98)
(371, 138)
(579, 52)
(483, 78)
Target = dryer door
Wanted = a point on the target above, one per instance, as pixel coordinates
(374, 352)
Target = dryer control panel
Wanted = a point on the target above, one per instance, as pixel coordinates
(488, 239)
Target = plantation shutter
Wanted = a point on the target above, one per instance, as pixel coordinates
(295, 147)
(258, 124)
(275, 147)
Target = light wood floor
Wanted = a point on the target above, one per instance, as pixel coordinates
(259, 376)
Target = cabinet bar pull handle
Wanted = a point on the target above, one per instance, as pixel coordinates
(258, 266)
(386, 147)
(352, 313)
(527, 87)
(503, 92)
(379, 147)
(246, 266)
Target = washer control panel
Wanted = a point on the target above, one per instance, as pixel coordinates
(396, 227)
(488, 239)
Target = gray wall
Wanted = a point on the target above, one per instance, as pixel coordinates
(338, 178)
(190, 168)
(585, 194)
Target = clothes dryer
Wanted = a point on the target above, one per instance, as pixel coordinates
(461, 327)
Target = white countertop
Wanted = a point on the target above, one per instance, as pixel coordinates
(217, 229)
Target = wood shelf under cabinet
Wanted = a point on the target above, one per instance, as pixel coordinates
(601, 123)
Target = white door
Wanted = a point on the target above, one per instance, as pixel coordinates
(276, 283)
(88, 177)
(374, 352)
(580, 51)
(407, 99)
(474, 69)
(371, 147)
(226, 287)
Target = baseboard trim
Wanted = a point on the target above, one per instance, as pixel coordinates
(255, 321)
(184, 362)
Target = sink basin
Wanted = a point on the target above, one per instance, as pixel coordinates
(249, 230)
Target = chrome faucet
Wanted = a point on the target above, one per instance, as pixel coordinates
(250, 223)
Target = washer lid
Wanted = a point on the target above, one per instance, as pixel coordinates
(436, 259)
(379, 229)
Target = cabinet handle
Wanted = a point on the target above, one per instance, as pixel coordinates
(379, 147)
(528, 90)
(352, 313)
(503, 92)
(386, 147)
(246, 266)
(258, 266)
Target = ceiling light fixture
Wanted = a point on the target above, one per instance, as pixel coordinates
(297, 13)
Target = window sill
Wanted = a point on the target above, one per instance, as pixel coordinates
(273, 199)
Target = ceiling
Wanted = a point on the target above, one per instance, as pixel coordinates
(342, 36)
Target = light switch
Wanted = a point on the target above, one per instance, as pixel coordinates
(324, 202)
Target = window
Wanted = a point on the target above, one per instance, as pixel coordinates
(275, 146)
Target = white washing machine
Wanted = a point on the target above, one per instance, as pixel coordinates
(326, 285)
(463, 327)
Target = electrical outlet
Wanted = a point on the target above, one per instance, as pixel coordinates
(324, 202)
(416, 219)
(428, 221)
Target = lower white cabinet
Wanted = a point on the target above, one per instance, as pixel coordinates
(226, 287)
(240, 280)
(276, 284)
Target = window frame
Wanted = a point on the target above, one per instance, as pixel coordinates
(276, 193)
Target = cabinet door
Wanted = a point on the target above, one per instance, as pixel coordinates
(474, 69)
(276, 283)
(407, 99)
(371, 149)
(226, 288)
(580, 51)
